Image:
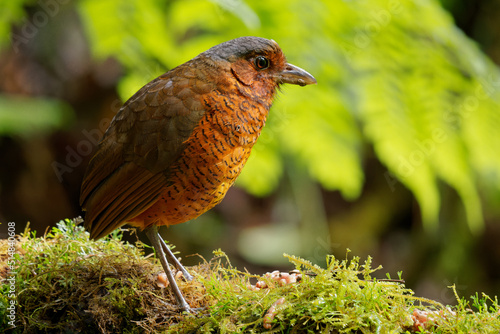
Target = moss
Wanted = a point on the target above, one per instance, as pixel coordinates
(68, 283)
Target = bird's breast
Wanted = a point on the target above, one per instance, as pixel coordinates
(215, 154)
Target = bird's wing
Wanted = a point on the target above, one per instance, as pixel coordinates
(130, 168)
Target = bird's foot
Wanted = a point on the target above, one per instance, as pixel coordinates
(192, 310)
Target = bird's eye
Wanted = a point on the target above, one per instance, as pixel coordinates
(261, 62)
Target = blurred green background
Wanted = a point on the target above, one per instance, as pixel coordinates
(394, 154)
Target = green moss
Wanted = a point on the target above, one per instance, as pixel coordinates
(66, 282)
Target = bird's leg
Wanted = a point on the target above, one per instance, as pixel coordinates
(154, 237)
(172, 257)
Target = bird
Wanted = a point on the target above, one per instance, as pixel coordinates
(177, 145)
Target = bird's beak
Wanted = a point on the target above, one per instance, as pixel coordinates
(296, 76)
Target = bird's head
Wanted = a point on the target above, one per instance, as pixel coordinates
(258, 64)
